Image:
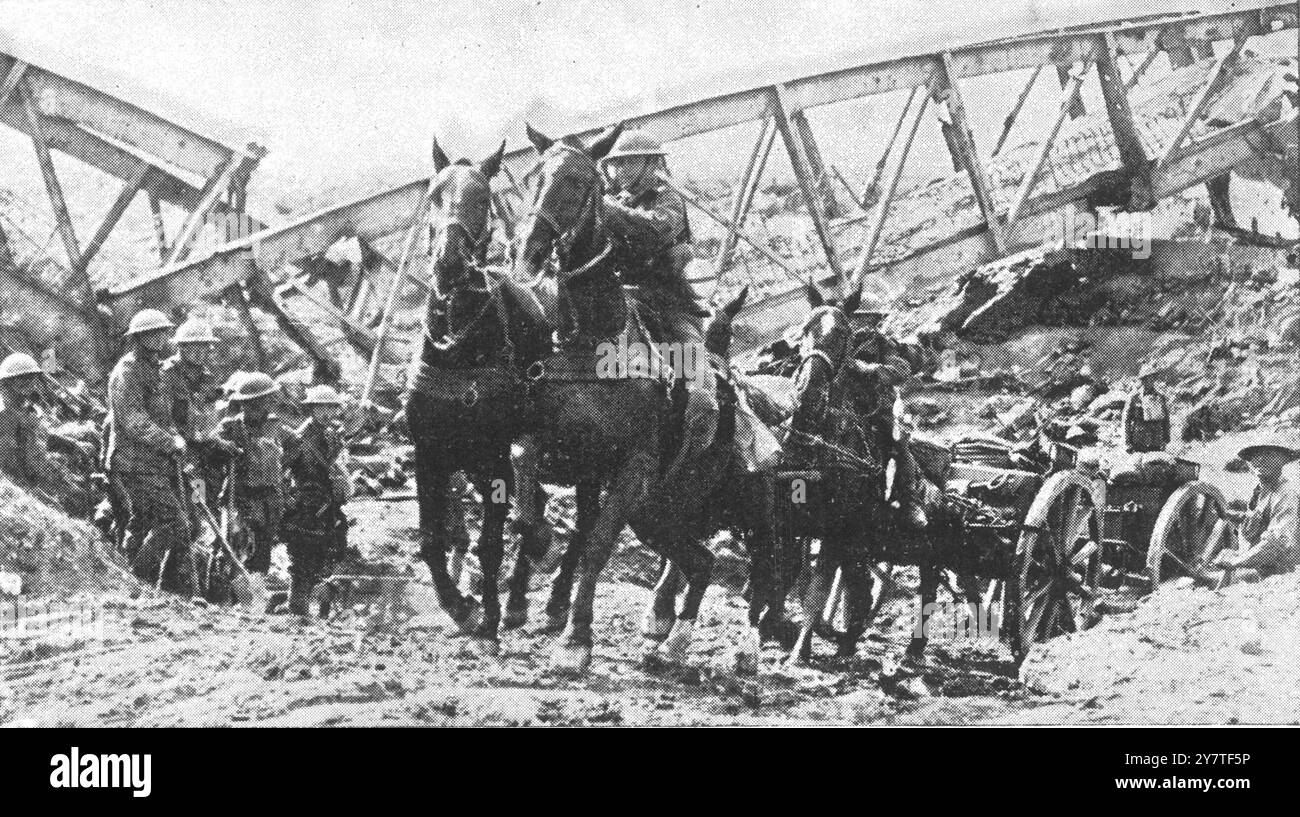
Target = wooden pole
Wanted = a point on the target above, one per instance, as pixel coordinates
(386, 319)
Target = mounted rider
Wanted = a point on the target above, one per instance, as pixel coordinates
(649, 220)
(891, 363)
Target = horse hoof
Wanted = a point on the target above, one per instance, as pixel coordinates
(514, 619)
(483, 646)
(677, 645)
(571, 659)
(915, 653)
(654, 627)
(473, 620)
(746, 658)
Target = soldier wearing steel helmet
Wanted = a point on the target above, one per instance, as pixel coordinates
(1146, 414)
(254, 437)
(144, 454)
(188, 380)
(315, 529)
(653, 248)
(890, 364)
(24, 456)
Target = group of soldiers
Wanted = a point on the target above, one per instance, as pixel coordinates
(174, 444)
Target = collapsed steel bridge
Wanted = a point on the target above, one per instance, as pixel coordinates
(207, 174)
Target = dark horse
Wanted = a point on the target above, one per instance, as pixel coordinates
(829, 436)
(466, 402)
(603, 432)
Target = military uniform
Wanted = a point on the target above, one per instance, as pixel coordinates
(654, 248)
(23, 452)
(256, 481)
(315, 528)
(142, 463)
(194, 413)
(1146, 421)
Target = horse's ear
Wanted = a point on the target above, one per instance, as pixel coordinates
(604, 143)
(850, 304)
(440, 159)
(541, 142)
(732, 309)
(492, 164)
(815, 298)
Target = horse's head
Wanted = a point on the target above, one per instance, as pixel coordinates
(461, 199)
(717, 336)
(566, 203)
(824, 349)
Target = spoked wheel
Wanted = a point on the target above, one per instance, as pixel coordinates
(1189, 531)
(1053, 586)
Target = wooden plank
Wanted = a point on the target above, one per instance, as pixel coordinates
(55, 191)
(1068, 95)
(10, 82)
(1115, 93)
(733, 229)
(877, 225)
(1214, 83)
(129, 190)
(745, 193)
(213, 188)
(967, 153)
(799, 163)
(1010, 121)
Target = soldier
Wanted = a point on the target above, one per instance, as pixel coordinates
(187, 379)
(1269, 536)
(1146, 415)
(254, 437)
(144, 454)
(315, 527)
(892, 364)
(649, 219)
(24, 455)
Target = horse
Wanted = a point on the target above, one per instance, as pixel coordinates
(467, 401)
(829, 435)
(612, 432)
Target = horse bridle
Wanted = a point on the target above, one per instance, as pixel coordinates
(565, 239)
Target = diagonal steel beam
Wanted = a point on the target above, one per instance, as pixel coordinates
(129, 190)
(745, 194)
(967, 154)
(216, 184)
(55, 190)
(11, 80)
(1214, 83)
(1066, 108)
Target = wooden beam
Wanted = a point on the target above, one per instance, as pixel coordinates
(1010, 121)
(129, 190)
(1214, 83)
(799, 163)
(1115, 93)
(745, 193)
(55, 191)
(11, 80)
(877, 225)
(967, 154)
(212, 190)
(1068, 95)
(733, 229)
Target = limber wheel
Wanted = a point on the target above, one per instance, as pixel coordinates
(1053, 586)
(1189, 530)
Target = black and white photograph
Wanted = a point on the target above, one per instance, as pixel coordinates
(613, 363)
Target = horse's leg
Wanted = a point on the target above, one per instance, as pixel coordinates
(814, 602)
(857, 604)
(431, 481)
(557, 607)
(573, 652)
(696, 563)
(491, 549)
(929, 585)
(531, 551)
(658, 618)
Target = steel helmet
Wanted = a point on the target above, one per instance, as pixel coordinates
(149, 320)
(17, 365)
(194, 330)
(322, 396)
(636, 143)
(872, 304)
(255, 385)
